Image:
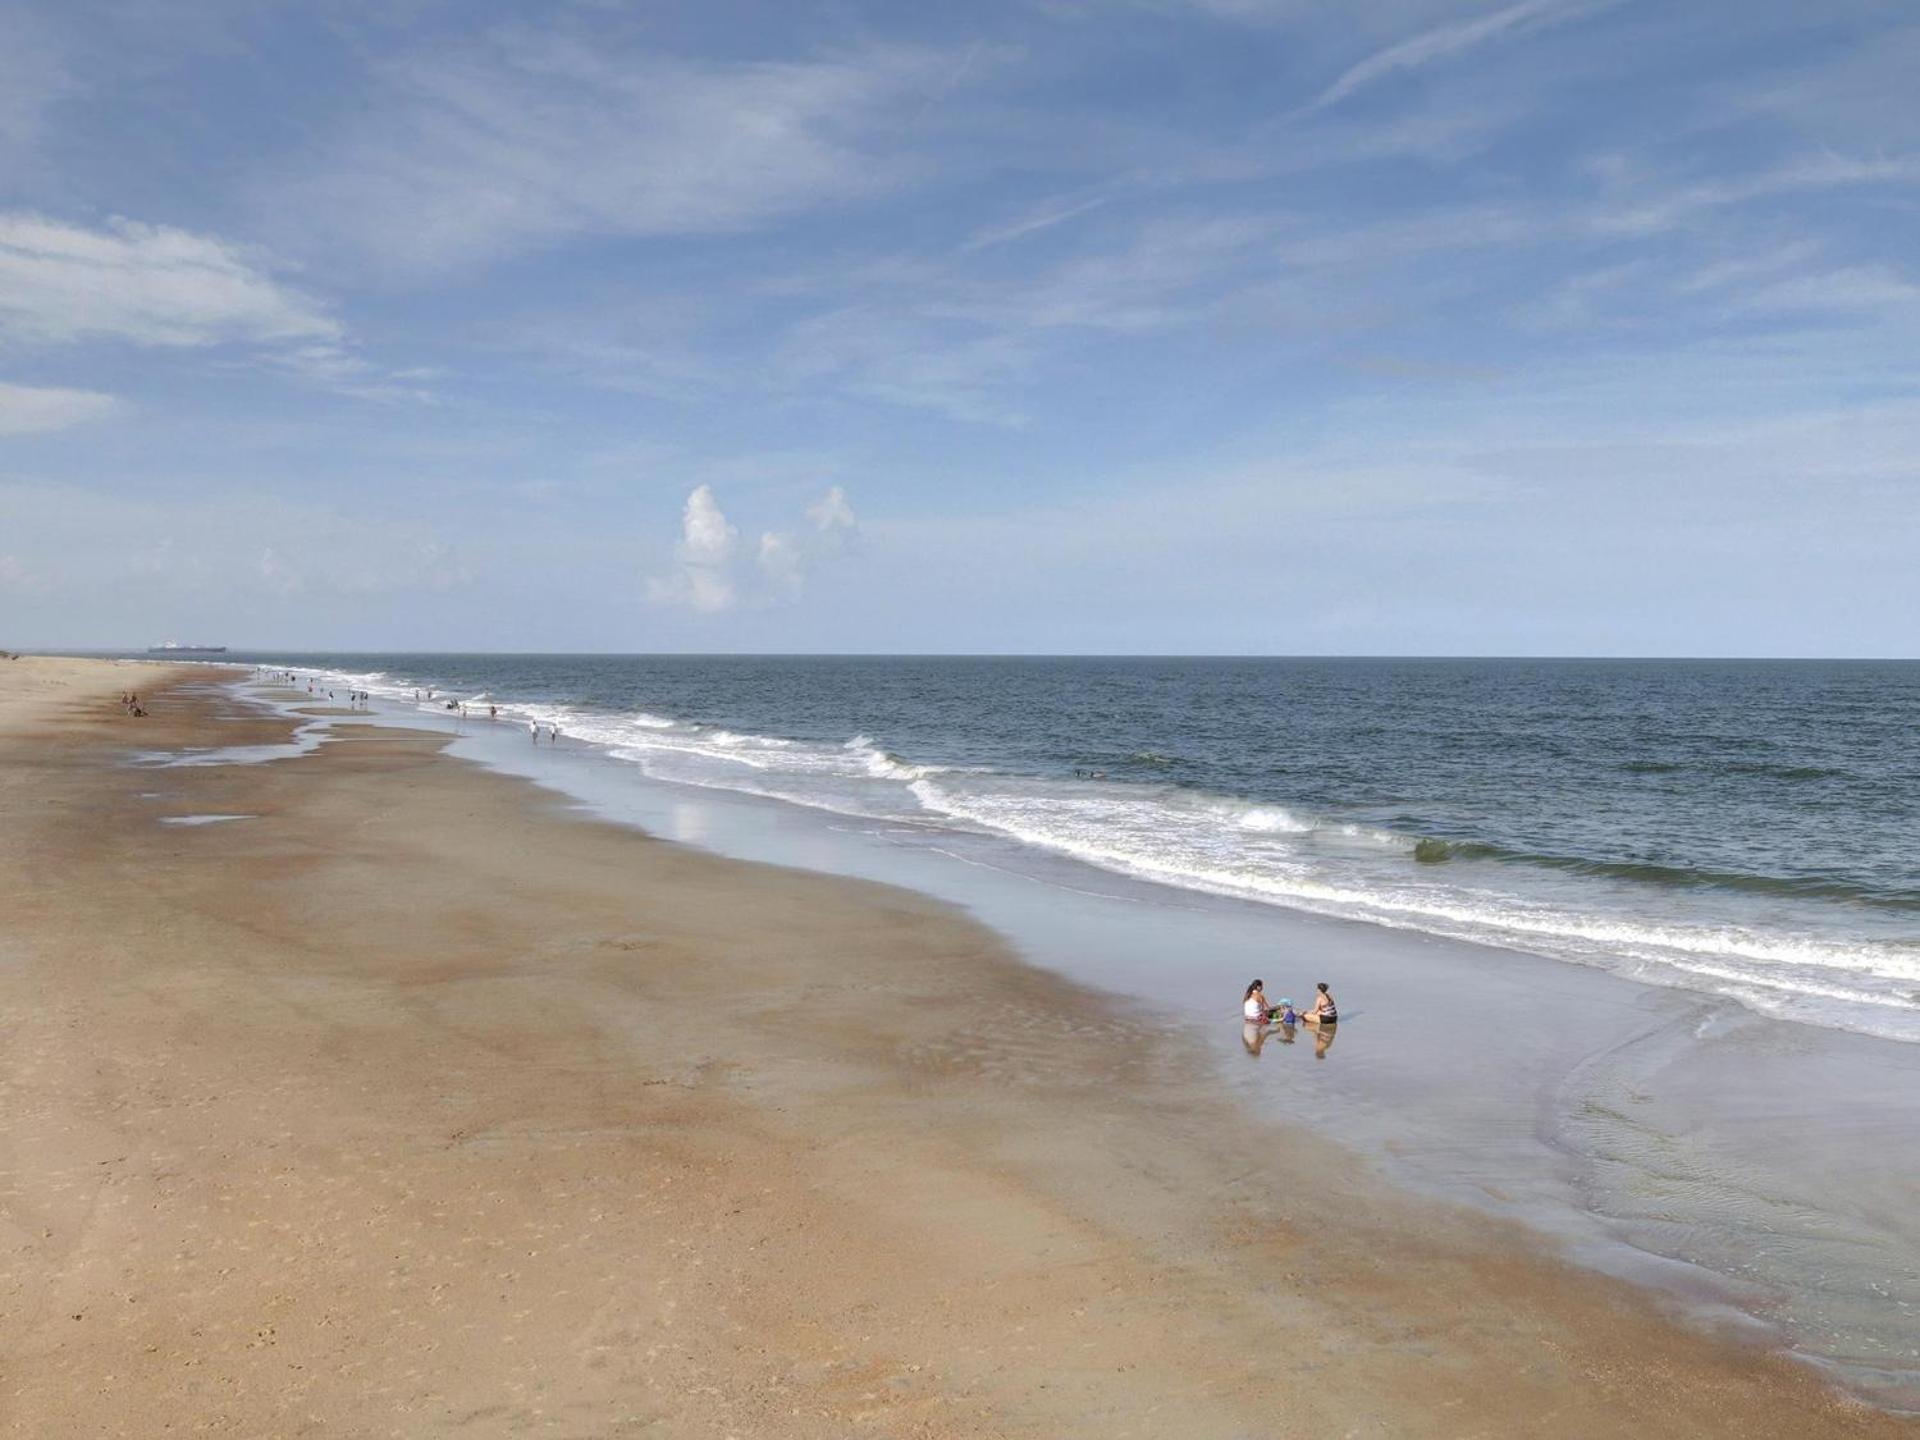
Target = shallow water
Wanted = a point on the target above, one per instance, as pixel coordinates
(1766, 1171)
(1750, 830)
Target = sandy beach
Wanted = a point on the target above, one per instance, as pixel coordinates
(408, 1102)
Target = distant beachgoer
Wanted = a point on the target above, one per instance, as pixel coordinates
(1324, 1011)
(555, 731)
(533, 729)
(493, 712)
(1255, 1008)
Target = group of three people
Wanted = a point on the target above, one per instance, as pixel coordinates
(1258, 1012)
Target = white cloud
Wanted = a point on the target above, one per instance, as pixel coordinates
(522, 140)
(831, 514)
(1869, 289)
(29, 410)
(950, 338)
(704, 579)
(1454, 38)
(1045, 217)
(1657, 211)
(708, 577)
(336, 366)
(148, 284)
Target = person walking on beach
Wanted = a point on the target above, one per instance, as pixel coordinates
(554, 732)
(533, 729)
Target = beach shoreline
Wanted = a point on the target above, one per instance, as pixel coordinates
(399, 1099)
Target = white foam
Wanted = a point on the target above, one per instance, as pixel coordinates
(1269, 853)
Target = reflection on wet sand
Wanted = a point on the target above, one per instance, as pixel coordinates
(1255, 1037)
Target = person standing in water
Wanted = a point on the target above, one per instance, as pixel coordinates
(533, 729)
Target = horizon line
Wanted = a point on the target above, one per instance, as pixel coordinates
(98, 652)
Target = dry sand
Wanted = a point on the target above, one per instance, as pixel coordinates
(415, 1105)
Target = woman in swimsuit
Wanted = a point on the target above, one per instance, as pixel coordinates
(1255, 1009)
(1324, 1011)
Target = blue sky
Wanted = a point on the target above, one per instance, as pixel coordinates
(1252, 326)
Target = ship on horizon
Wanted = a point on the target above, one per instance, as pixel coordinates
(174, 647)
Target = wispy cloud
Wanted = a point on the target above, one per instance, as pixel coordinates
(1452, 40)
(522, 140)
(147, 284)
(1867, 289)
(1042, 217)
(1636, 205)
(958, 340)
(34, 77)
(339, 367)
(29, 410)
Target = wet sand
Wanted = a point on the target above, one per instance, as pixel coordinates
(411, 1103)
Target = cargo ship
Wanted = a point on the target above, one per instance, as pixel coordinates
(174, 647)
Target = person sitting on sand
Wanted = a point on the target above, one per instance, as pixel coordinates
(1324, 1011)
(1255, 1009)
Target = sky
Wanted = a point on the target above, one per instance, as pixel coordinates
(1570, 327)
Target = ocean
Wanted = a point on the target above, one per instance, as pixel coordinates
(1745, 828)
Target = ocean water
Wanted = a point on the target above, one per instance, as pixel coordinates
(1749, 829)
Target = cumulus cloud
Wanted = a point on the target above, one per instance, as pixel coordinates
(704, 579)
(832, 515)
(148, 284)
(29, 410)
(712, 575)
